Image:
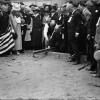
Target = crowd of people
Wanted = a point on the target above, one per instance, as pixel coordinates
(71, 28)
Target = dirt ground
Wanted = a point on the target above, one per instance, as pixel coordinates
(47, 77)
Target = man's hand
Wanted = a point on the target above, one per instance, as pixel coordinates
(88, 36)
(57, 27)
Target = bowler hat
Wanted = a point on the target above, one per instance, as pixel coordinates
(36, 9)
(53, 8)
(82, 2)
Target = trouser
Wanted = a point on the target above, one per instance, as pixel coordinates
(75, 49)
(56, 41)
(90, 51)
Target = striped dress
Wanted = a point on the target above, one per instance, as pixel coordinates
(6, 38)
(6, 42)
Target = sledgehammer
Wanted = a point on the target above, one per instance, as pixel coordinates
(42, 50)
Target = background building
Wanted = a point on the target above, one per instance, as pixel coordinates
(40, 2)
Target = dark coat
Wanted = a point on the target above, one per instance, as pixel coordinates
(36, 35)
(4, 22)
(75, 23)
(95, 11)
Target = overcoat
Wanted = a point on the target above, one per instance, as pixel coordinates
(36, 35)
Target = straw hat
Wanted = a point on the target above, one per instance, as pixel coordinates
(16, 7)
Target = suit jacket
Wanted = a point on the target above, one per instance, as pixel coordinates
(95, 13)
(75, 23)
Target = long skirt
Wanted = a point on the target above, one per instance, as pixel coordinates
(18, 41)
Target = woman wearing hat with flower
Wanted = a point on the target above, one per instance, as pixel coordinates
(16, 26)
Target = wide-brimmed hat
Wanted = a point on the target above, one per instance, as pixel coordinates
(94, 1)
(53, 8)
(89, 3)
(21, 3)
(69, 6)
(36, 9)
(82, 2)
(16, 6)
(33, 5)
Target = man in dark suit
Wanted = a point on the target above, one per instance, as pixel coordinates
(56, 40)
(75, 23)
(95, 13)
(36, 34)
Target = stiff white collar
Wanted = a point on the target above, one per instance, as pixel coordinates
(35, 15)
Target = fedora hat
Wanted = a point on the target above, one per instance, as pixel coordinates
(36, 9)
(89, 3)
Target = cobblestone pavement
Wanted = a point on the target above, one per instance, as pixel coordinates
(45, 78)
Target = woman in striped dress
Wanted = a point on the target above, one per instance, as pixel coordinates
(16, 24)
(6, 39)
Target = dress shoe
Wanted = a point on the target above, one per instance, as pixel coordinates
(18, 53)
(88, 69)
(93, 72)
(96, 76)
(21, 51)
(76, 63)
(92, 69)
(70, 60)
(3, 55)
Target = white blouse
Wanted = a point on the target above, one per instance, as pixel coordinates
(18, 19)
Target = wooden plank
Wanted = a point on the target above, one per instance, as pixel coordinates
(42, 50)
